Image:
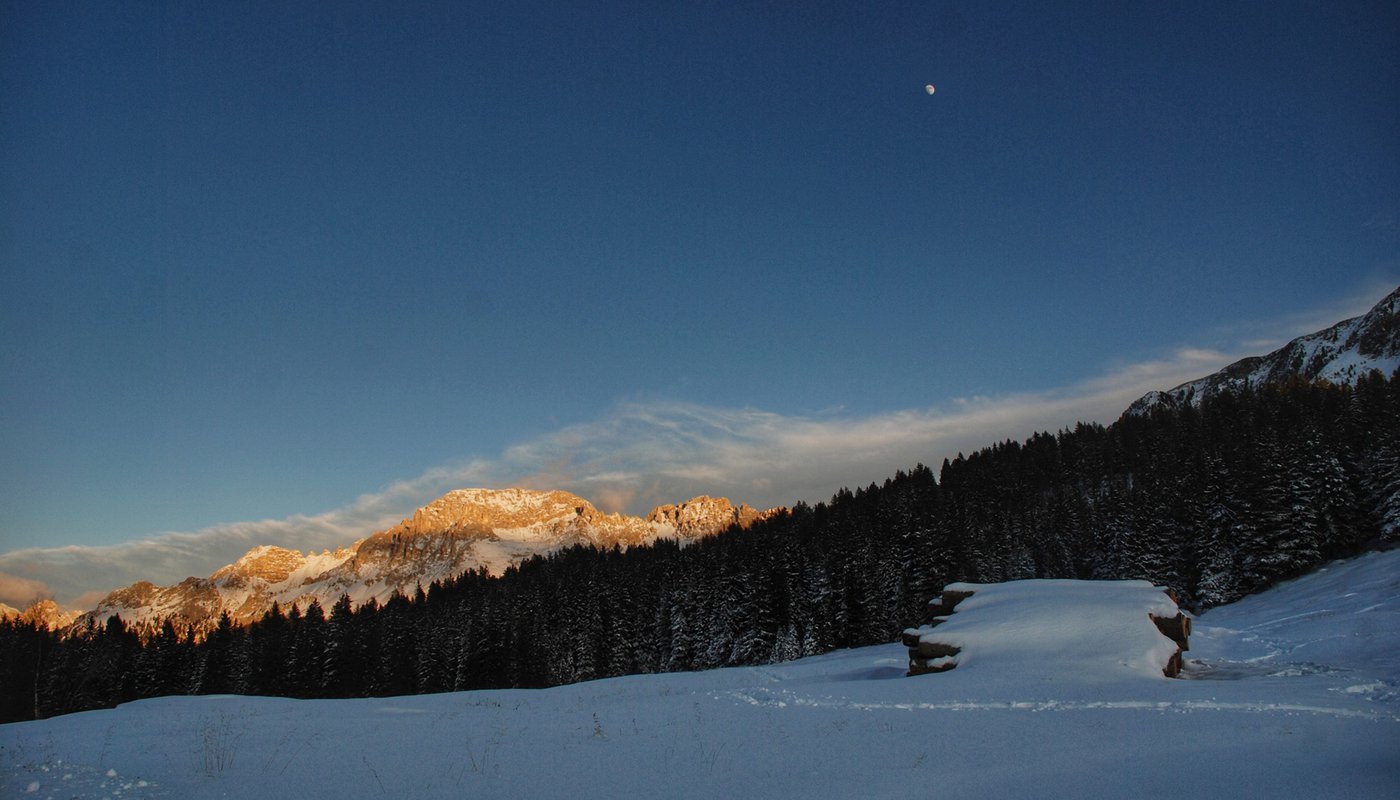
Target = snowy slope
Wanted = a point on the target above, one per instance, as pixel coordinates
(1294, 693)
(1339, 354)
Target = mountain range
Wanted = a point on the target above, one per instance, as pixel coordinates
(488, 529)
(466, 529)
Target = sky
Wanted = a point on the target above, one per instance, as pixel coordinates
(279, 273)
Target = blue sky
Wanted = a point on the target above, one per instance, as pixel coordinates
(281, 262)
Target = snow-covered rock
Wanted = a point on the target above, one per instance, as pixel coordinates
(1057, 630)
(1339, 354)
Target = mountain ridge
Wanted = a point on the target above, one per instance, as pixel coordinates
(465, 529)
(1341, 353)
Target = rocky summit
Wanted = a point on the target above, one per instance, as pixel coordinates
(43, 612)
(465, 529)
(1340, 354)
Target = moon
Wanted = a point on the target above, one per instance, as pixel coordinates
(929, 88)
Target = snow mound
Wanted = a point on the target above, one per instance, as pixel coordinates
(1057, 630)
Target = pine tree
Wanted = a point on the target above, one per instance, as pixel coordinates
(269, 651)
(23, 651)
(344, 666)
(224, 667)
(307, 655)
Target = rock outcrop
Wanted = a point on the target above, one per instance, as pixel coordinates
(703, 516)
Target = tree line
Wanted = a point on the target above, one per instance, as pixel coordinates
(1217, 501)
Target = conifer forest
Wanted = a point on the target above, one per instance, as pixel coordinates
(1216, 500)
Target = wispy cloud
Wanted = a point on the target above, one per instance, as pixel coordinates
(645, 453)
(639, 455)
(650, 453)
(1256, 337)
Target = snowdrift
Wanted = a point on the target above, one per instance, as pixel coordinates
(1049, 630)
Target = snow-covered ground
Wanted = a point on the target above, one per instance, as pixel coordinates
(1293, 693)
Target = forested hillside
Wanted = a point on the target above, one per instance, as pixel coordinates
(1218, 501)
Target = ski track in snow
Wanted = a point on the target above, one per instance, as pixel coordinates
(786, 699)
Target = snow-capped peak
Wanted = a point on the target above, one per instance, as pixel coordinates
(1340, 354)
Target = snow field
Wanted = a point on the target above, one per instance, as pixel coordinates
(1293, 693)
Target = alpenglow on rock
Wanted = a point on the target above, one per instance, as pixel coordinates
(700, 516)
(41, 612)
(1339, 354)
(465, 529)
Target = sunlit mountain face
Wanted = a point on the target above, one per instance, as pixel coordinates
(466, 529)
